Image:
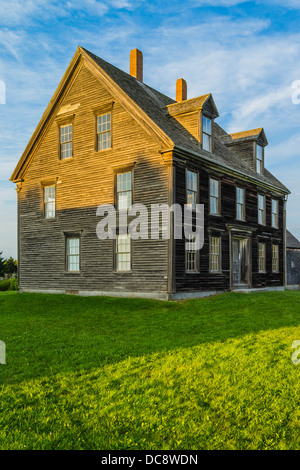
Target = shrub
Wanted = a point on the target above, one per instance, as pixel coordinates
(13, 284)
(9, 284)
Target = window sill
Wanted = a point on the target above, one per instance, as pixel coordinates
(76, 273)
(69, 159)
(104, 150)
(122, 272)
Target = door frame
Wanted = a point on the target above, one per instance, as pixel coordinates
(236, 232)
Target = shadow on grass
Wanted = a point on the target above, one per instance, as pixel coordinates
(47, 334)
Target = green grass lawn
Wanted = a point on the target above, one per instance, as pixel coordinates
(105, 373)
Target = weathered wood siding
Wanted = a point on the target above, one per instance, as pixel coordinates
(293, 266)
(83, 183)
(219, 226)
(245, 151)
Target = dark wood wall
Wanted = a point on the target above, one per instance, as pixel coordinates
(218, 226)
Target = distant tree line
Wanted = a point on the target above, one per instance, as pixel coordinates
(8, 267)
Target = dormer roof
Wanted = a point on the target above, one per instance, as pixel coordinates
(201, 103)
(251, 135)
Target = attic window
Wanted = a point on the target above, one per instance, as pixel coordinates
(104, 131)
(259, 159)
(206, 133)
(66, 138)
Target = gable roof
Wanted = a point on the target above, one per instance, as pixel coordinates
(151, 108)
(291, 241)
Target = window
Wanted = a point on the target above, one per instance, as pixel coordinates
(206, 133)
(214, 201)
(275, 259)
(259, 159)
(66, 143)
(49, 202)
(274, 213)
(261, 210)
(191, 254)
(261, 257)
(124, 190)
(293, 264)
(240, 203)
(123, 252)
(104, 131)
(191, 189)
(215, 254)
(73, 254)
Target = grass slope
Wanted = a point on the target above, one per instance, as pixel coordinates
(105, 373)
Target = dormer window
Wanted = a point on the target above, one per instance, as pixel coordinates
(66, 141)
(206, 133)
(259, 159)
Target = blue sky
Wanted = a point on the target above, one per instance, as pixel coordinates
(247, 53)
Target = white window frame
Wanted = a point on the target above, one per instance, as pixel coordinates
(191, 255)
(261, 259)
(49, 201)
(123, 253)
(124, 190)
(66, 141)
(240, 205)
(206, 133)
(103, 128)
(215, 254)
(261, 211)
(214, 198)
(275, 214)
(259, 159)
(191, 189)
(73, 253)
(275, 258)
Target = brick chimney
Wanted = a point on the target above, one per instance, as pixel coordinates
(181, 90)
(136, 64)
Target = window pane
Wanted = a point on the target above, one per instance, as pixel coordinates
(214, 187)
(206, 125)
(49, 201)
(191, 199)
(66, 133)
(213, 205)
(191, 254)
(261, 209)
(206, 142)
(124, 182)
(191, 180)
(259, 152)
(104, 141)
(259, 159)
(275, 259)
(240, 203)
(274, 213)
(103, 123)
(124, 190)
(215, 264)
(261, 257)
(123, 252)
(73, 254)
(104, 131)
